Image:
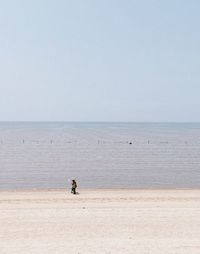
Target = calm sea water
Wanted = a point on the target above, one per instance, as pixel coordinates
(99, 155)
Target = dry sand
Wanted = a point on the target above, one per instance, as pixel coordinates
(100, 221)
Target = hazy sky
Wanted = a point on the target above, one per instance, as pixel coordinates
(105, 60)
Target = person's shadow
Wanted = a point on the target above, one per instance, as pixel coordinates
(77, 193)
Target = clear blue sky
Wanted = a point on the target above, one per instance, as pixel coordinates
(108, 60)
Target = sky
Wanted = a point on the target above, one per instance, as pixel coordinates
(108, 60)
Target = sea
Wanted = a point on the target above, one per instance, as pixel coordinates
(46, 155)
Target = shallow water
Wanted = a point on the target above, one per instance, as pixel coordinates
(99, 155)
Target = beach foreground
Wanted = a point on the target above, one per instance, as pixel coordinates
(100, 221)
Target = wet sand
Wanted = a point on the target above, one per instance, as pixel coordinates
(100, 221)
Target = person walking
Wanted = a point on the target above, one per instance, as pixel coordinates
(74, 186)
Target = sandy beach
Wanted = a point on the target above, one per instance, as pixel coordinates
(100, 221)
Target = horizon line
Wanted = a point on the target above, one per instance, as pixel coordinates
(89, 121)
